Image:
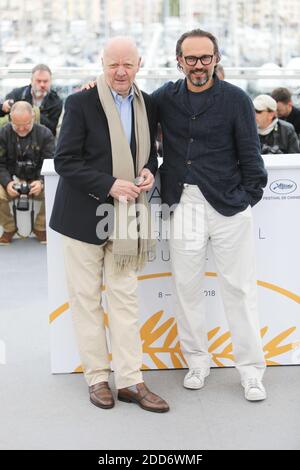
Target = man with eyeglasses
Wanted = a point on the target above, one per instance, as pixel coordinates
(23, 147)
(213, 172)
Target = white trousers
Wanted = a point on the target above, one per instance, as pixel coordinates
(84, 265)
(194, 223)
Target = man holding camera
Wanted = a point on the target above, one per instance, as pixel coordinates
(46, 102)
(23, 147)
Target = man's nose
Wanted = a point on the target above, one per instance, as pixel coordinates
(121, 70)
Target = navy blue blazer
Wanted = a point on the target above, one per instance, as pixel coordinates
(218, 142)
(83, 159)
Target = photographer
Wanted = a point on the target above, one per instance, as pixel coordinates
(276, 136)
(46, 102)
(23, 147)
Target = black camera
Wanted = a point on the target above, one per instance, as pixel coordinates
(270, 149)
(10, 103)
(26, 169)
(23, 189)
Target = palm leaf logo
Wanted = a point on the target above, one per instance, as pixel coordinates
(220, 344)
(151, 332)
(161, 337)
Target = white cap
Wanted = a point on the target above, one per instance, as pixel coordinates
(264, 103)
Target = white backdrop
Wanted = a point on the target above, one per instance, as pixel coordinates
(277, 229)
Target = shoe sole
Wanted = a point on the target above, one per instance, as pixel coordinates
(104, 407)
(256, 399)
(127, 400)
(190, 387)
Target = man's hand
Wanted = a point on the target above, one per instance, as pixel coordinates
(148, 180)
(11, 191)
(89, 85)
(125, 190)
(6, 107)
(36, 187)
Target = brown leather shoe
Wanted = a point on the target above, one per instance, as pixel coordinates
(144, 398)
(101, 395)
(6, 238)
(41, 236)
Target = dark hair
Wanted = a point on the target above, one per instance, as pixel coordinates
(282, 94)
(42, 67)
(198, 33)
(219, 70)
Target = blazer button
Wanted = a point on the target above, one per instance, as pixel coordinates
(191, 140)
(189, 162)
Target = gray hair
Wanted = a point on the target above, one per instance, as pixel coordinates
(42, 68)
(21, 107)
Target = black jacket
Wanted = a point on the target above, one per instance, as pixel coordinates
(219, 143)
(294, 118)
(83, 160)
(50, 108)
(40, 146)
(283, 139)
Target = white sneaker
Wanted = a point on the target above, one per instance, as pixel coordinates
(254, 389)
(195, 378)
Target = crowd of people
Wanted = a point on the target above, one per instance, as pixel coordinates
(213, 136)
(278, 125)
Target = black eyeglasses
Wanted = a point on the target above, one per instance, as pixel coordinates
(204, 59)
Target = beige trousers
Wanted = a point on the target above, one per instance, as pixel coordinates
(7, 219)
(84, 265)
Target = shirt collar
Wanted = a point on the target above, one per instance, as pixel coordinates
(119, 99)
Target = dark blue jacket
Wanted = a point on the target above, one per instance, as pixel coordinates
(220, 142)
(83, 159)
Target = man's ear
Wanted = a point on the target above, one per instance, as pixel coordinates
(179, 63)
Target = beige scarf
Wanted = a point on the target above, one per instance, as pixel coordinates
(132, 241)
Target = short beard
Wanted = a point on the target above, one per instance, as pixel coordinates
(39, 93)
(198, 82)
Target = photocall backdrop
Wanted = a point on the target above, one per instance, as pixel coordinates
(277, 229)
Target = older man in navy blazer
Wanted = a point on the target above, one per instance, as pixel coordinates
(106, 135)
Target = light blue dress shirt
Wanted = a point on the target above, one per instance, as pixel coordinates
(125, 111)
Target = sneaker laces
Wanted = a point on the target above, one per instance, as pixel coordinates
(253, 383)
(199, 373)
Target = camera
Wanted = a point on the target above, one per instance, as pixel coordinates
(25, 169)
(267, 149)
(10, 103)
(23, 189)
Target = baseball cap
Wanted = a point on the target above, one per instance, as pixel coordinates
(264, 103)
